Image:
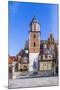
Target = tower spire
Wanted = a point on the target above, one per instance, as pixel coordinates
(34, 19)
(34, 25)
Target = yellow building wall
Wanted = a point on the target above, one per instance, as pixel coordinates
(46, 65)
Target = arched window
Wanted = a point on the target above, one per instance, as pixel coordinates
(34, 44)
(34, 26)
(34, 36)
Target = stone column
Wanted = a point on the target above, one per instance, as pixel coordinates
(13, 70)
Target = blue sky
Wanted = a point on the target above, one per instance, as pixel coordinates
(19, 17)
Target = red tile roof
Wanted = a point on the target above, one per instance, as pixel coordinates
(11, 59)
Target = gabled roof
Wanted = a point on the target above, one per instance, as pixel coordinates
(21, 52)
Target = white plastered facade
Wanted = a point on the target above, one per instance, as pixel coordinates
(33, 57)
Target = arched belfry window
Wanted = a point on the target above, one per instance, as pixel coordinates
(34, 36)
(34, 26)
(34, 44)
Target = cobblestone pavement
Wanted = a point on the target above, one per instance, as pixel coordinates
(33, 82)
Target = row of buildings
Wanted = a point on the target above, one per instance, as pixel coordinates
(38, 56)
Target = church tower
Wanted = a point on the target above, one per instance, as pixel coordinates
(34, 44)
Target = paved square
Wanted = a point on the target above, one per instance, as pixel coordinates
(33, 82)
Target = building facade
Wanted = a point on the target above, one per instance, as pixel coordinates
(38, 56)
